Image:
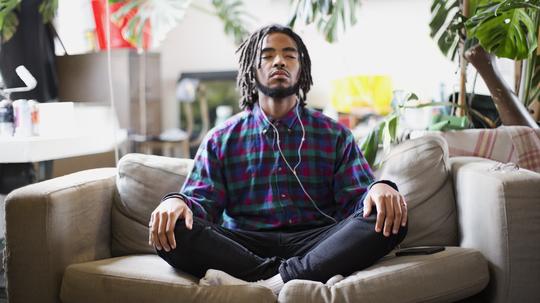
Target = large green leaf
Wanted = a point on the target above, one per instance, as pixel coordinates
(47, 9)
(534, 92)
(505, 28)
(328, 15)
(370, 145)
(8, 18)
(445, 25)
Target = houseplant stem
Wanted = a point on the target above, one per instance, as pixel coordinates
(511, 110)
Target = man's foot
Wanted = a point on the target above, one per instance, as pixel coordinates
(215, 277)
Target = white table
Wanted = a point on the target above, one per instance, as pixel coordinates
(67, 130)
(36, 149)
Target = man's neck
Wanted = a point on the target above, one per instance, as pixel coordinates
(276, 108)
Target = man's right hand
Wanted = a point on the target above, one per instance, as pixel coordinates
(163, 220)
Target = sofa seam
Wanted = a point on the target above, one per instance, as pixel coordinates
(48, 193)
(507, 241)
(129, 161)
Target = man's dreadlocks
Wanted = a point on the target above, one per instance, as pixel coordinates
(250, 54)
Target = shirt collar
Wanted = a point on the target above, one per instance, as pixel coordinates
(288, 120)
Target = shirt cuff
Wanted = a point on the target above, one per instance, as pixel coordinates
(179, 196)
(387, 182)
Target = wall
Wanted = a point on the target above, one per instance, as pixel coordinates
(391, 37)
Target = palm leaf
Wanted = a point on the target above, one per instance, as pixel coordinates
(233, 17)
(328, 15)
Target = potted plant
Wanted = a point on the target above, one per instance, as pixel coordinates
(483, 30)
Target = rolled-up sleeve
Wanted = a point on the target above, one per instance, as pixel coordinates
(204, 189)
(352, 176)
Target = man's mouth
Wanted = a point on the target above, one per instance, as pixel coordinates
(279, 73)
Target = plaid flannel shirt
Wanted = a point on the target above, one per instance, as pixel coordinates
(240, 180)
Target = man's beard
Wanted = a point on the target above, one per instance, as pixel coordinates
(278, 92)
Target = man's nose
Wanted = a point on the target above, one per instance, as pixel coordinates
(279, 61)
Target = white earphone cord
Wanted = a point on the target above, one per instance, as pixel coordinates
(293, 170)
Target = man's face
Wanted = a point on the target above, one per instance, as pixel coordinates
(280, 68)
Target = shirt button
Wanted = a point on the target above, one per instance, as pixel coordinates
(290, 221)
(283, 196)
(279, 168)
(290, 130)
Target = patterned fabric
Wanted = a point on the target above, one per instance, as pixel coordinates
(241, 181)
(516, 144)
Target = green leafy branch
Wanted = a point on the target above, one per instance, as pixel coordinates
(233, 17)
(385, 132)
(326, 14)
(9, 20)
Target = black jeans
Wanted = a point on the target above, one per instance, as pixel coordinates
(315, 254)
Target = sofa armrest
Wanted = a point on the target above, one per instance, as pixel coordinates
(52, 224)
(499, 214)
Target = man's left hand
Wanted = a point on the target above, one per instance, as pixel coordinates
(391, 208)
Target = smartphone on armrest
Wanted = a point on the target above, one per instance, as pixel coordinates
(419, 250)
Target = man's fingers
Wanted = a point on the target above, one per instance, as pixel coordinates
(381, 213)
(188, 216)
(154, 231)
(171, 223)
(150, 240)
(389, 219)
(404, 210)
(396, 203)
(162, 236)
(368, 202)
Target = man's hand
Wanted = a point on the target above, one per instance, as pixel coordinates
(163, 220)
(391, 208)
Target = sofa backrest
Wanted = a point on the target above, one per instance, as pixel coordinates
(141, 182)
(420, 168)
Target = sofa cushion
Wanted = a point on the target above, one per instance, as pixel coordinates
(447, 276)
(146, 278)
(141, 182)
(420, 168)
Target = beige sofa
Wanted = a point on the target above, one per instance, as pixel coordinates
(83, 237)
